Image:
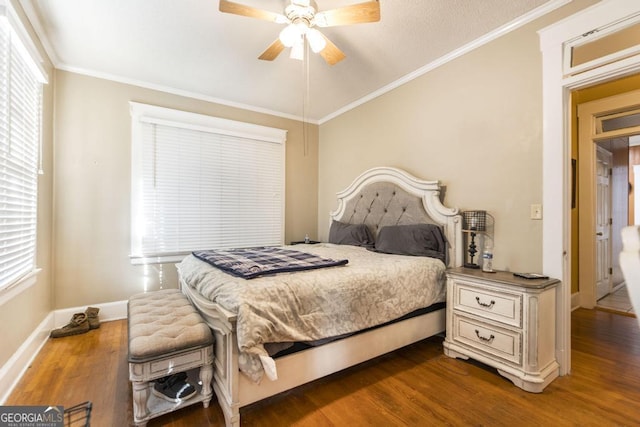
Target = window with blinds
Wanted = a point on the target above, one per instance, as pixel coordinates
(200, 182)
(21, 82)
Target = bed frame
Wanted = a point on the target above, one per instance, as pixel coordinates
(380, 196)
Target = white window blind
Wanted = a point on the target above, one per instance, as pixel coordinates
(200, 182)
(20, 117)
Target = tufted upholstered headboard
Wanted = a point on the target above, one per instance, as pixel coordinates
(388, 196)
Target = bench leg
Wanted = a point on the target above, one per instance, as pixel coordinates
(206, 375)
(140, 397)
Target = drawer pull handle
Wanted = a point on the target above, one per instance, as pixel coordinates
(484, 304)
(485, 339)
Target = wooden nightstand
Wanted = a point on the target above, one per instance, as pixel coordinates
(505, 322)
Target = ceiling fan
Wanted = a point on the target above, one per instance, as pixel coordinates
(302, 16)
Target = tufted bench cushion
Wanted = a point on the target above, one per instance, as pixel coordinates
(164, 322)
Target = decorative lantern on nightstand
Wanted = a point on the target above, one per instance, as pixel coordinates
(478, 224)
(473, 222)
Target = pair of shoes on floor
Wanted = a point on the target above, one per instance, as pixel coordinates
(79, 324)
(174, 388)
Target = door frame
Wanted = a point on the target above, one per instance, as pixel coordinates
(556, 145)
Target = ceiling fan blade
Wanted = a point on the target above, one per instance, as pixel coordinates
(331, 54)
(355, 14)
(272, 51)
(251, 12)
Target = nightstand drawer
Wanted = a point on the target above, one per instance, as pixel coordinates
(498, 342)
(488, 303)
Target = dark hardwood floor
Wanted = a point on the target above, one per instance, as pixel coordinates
(414, 386)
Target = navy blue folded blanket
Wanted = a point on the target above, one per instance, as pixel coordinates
(249, 263)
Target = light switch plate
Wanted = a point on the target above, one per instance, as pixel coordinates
(536, 211)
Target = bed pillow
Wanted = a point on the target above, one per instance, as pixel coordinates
(350, 234)
(415, 239)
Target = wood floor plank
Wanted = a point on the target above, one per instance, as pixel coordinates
(416, 385)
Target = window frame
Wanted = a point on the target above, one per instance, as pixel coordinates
(20, 43)
(593, 36)
(146, 113)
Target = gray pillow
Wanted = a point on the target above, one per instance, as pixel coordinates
(415, 239)
(341, 233)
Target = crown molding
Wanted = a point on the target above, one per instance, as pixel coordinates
(481, 41)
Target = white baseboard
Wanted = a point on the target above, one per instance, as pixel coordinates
(575, 301)
(108, 311)
(16, 366)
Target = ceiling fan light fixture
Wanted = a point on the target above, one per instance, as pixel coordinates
(290, 34)
(302, 16)
(316, 41)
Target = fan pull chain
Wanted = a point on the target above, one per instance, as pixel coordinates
(305, 100)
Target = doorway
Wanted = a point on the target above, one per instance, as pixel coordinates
(605, 126)
(611, 218)
(604, 234)
(625, 210)
(559, 79)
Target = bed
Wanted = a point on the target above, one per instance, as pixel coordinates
(404, 309)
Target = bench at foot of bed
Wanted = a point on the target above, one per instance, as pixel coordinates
(170, 354)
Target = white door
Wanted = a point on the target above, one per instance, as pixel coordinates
(604, 164)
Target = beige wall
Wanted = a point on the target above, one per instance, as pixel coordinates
(92, 187)
(21, 315)
(474, 123)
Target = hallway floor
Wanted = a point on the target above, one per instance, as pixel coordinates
(617, 301)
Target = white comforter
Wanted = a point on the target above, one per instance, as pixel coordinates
(371, 289)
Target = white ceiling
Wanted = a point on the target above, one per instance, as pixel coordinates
(189, 47)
